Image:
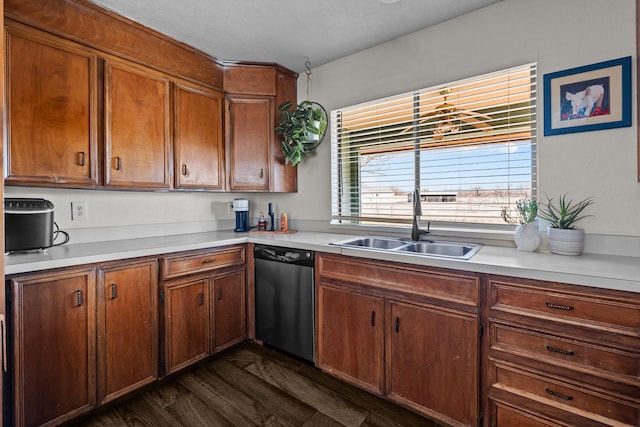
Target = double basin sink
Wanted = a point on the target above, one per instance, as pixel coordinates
(428, 248)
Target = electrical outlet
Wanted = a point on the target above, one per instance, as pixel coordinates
(79, 211)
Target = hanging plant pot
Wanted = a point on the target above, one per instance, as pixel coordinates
(302, 129)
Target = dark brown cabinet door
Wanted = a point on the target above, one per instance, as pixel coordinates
(52, 111)
(54, 347)
(227, 295)
(351, 337)
(249, 138)
(127, 329)
(433, 361)
(137, 123)
(186, 322)
(198, 143)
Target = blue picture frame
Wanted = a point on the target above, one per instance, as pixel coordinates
(592, 97)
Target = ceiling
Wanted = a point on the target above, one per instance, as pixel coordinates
(286, 32)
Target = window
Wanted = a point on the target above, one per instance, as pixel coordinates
(469, 146)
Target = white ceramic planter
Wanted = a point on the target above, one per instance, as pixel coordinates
(566, 241)
(527, 236)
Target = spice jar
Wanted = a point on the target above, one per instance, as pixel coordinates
(262, 223)
(284, 222)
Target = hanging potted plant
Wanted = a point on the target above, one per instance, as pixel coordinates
(302, 129)
(526, 234)
(564, 237)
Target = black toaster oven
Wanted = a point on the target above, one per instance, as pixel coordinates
(28, 224)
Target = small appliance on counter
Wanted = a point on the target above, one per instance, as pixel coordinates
(28, 224)
(241, 208)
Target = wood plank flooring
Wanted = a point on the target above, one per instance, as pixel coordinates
(255, 386)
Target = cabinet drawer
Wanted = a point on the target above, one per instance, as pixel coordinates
(202, 261)
(572, 398)
(608, 311)
(584, 356)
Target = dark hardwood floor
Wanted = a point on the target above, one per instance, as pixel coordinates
(255, 386)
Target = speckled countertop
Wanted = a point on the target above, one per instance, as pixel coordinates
(602, 271)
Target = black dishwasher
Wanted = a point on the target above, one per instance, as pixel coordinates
(284, 296)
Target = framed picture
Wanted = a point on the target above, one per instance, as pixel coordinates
(592, 97)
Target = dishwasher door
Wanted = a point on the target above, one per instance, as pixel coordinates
(284, 299)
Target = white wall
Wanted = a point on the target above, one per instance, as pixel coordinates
(556, 34)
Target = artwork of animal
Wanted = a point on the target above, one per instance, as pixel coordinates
(583, 102)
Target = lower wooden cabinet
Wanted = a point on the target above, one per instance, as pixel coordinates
(351, 336)
(392, 329)
(562, 355)
(80, 342)
(127, 328)
(54, 332)
(204, 304)
(433, 361)
(186, 314)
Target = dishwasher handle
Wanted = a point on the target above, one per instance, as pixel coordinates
(284, 255)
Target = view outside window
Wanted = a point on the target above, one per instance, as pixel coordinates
(469, 146)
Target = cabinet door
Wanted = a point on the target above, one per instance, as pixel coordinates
(137, 123)
(198, 144)
(52, 117)
(228, 300)
(249, 137)
(351, 336)
(433, 361)
(127, 329)
(186, 322)
(54, 347)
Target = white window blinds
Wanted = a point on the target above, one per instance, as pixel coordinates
(469, 146)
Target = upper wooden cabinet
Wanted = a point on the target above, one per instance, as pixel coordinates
(249, 140)
(254, 158)
(198, 142)
(137, 127)
(52, 111)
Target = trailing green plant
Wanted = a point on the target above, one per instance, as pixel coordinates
(564, 214)
(527, 211)
(302, 129)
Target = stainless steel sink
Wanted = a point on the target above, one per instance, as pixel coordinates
(373, 242)
(428, 248)
(442, 249)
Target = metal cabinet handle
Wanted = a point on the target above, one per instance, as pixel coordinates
(114, 291)
(184, 170)
(3, 331)
(397, 325)
(560, 395)
(208, 261)
(81, 159)
(559, 306)
(219, 294)
(200, 298)
(373, 318)
(559, 350)
(261, 173)
(118, 165)
(79, 298)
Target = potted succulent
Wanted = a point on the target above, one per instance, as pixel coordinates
(302, 129)
(526, 234)
(564, 237)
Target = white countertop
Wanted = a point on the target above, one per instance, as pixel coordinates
(602, 271)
